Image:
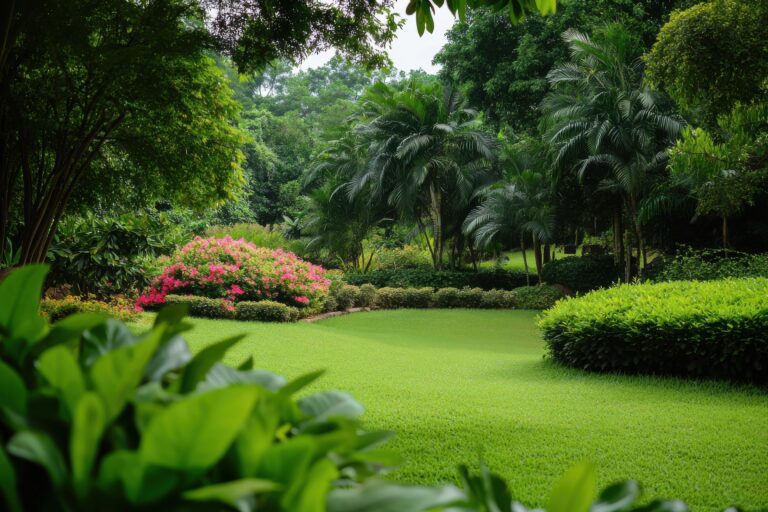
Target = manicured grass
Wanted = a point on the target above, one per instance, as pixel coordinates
(457, 385)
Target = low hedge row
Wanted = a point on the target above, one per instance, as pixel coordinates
(422, 278)
(581, 274)
(712, 329)
(57, 309)
(706, 265)
(526, 297)
(262, 311)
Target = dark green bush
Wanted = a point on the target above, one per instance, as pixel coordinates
(95, 417)
(367, 295)
(203, 307)
(420, 278)
(535, 297)
(266, 311)
(707, 265)
(347, 296)
(703, 329)
(392, 298)
(447, 298)
(582, 274)
(471, 297)
(330, 304)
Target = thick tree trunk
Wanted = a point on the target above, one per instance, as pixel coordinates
(547, 254)
(537, 256)
(725, 232)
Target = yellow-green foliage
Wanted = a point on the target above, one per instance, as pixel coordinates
(56, 309)
(712, 329)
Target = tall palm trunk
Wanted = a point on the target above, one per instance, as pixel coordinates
(437, 225)
(725, 232)
(537, 256)
(525, 259)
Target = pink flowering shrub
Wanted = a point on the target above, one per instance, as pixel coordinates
(236, 270)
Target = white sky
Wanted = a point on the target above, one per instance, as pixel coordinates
(408, 51)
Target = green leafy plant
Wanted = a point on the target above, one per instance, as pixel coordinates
(404, 278)
(706, 265)
(536, 297)
(347, 296)
(58, 309)
(266, 311)
(204, 307)
(712, 329)
(582, 274)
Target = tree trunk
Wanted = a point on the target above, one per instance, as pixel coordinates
(547, 253)
(525, 259)
(537, 256)
(725, 232)
(627, 256)
(437, 220)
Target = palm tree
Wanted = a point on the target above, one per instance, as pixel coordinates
(603, 122)
(427, 153)
(521, 206)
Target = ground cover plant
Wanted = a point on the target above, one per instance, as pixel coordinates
(456, 385)
(707, 329)
(236, 271)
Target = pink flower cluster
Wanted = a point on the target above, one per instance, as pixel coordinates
(236, 270)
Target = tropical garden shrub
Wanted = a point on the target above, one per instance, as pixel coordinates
(536, 297)
(391, 298)
(497, 299)
(57, 309)
(236, 271)
(104, 256)
(203, 307)
(406, 278)
(367, 296)
(703, 329)
(98, 418)
(266, 311)
(706, 265)
(582, 274)
(347, 296)
(407, 256)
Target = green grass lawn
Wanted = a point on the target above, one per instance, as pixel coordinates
(457, 385)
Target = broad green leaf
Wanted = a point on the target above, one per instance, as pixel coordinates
(142, 483)
(330, 404)
(88, 425)
(377, 496)
(105, 338)
(19, 300)
(221, 375)
(117, 374)
(246, 365)
(300, 383)
(196, 432)
(172, 355)
(8, 493)
(37, 447)
(13, 393)
(311, 496)
(287, 462)
(616, 497)
(256, 436)
(575, 491)
(230, 493)
(67, 330)
(172, 314)
(60, 369)
(198, 368)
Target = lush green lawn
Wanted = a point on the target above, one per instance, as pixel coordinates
(457, 385)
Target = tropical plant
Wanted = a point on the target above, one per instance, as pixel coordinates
(604, 123)
(236, 271)
(426, 156)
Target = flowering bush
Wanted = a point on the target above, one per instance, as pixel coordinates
(236, 271)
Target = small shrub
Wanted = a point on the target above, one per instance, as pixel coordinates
(536, 297)
(347, 296)
(582, 274)
(203, 307)
(707, 265)
(447, 298)
(330, 304)
(408, 256)
(367, 295)
(470, 297)
(418, 278)
(712, 329)
(57, 309)
(266, 311)
(497, 299)
(391, 298)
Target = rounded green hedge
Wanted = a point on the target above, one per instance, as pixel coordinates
(713, 329)
(582, 274)
(497, 279)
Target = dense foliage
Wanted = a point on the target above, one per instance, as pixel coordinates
(236, 271)
(419, 278)
(582, 274)
(713, 329)
(708, 265)
(58, 309)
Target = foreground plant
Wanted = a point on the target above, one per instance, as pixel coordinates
(93, 417)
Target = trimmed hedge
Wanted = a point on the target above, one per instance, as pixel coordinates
(582, 274)
(392, 298)
(421, 278)
(536, 297)
(712, 329)
(204, 307)
(266, 311)
(57, 309)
